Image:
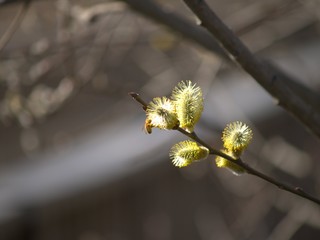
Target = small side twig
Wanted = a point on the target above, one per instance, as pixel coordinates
(14, 24)
(295, 190)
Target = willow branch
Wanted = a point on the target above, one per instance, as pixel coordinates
(296, 98)
(295, 190)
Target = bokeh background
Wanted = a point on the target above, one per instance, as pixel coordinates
(74, 160)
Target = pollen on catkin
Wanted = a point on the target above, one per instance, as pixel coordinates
(224, 163)
(236, 137)
(184, 153)
(161, 114)
(188, 101)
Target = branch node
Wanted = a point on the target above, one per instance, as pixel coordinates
(299, 189)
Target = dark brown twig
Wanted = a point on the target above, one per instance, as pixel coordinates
(295, 190)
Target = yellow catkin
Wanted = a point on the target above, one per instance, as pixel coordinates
(224, 163)
(161, 114)
(236, 137)
(188, 101)
(184, 153)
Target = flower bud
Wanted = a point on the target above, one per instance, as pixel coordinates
(184, 153)
(236, 137)
(224, 163)
(188, 101)
(161, 114)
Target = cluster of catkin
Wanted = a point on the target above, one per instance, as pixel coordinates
(183, 109)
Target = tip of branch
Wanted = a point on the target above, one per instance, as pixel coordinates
(133, 94)
(137, 98)
(201, 24)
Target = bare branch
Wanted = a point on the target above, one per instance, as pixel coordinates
(154, 11)
(303, 109)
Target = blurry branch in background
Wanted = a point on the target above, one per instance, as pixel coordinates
(28, 98)
(293, 99)
(293, 96)
(5, 38)
(238, 162)
(179, 24)
(91, 14)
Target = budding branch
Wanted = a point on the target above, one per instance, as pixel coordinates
(295, 190)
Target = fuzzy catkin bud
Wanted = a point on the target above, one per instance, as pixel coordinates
(236, 137)
(188, 101)
(184, 153)
(224, 163)
(161, 114)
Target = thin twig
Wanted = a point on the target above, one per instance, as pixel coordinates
(14, 24)
(295, 190)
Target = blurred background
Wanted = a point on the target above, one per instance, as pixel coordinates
(75, 162)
